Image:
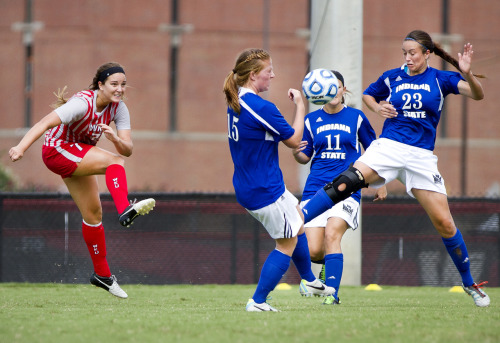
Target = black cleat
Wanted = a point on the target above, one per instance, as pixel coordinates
(135, 210)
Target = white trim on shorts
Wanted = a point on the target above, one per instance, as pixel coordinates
(348, 210)
(69, 155)
(414, 167)
(281, 219)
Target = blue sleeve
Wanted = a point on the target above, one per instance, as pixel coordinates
(378, 89)
(282, 130)
(366, 133)
(449, 81)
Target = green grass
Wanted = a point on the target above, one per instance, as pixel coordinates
(215, 313)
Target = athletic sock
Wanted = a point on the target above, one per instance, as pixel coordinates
(302, 259)
(334, 265)
(318, 204)
(458, 253)
(273, 270)
(93, 236)
(116, 181)
(317, 266)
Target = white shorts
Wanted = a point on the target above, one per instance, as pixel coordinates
(414, 167)
(347, 210)
(281, 219)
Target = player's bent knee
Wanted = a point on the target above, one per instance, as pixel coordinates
(344, 185)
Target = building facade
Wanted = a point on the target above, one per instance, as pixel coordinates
(175, 76)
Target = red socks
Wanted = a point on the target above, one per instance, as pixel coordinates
(116, 181)
(94, 237)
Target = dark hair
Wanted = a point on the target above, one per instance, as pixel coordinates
(340, 77)
(249, 60)
(60, 94)
(98, 77)
(426, 43)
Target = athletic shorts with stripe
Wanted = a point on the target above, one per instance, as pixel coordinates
(348, 210)
(63, 159)
(281, 219)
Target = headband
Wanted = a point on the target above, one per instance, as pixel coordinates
(426, 48)
(103, 75)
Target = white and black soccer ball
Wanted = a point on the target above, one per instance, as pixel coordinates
(320, 86)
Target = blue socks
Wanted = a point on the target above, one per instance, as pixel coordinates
(334, 265)
(458, 253)
(273, 270)
(302, 259)
(318, 204)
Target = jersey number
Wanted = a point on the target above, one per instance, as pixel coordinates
(407, 99)
(232, 129)
(337, 142)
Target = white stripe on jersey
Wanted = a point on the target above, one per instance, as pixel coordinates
(388, 84)
(259, 118)
(358, 145)
(441, 94)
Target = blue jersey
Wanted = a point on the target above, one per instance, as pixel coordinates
(418, 100)
(254, 136)
(334, 139)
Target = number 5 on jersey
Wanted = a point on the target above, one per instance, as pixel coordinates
(232, 129)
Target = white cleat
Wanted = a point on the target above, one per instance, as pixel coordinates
(303, 289)
(135, 210)
(109, 284)
(480, 297)
(318, 288)
(252, 306)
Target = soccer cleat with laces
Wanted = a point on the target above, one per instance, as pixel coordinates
(303, 289)
(481, 299)
(109, 284)
(330, 300)
(135, 210)
(316, 288)
(252, 306)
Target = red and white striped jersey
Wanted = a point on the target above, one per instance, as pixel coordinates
(80, 126)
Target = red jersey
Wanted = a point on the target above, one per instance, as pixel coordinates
(81, 126)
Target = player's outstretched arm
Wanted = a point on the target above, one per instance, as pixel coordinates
(49, 121)
(298, 122)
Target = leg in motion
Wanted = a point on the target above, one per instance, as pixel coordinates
(334, 259)
(274, 268)
(436, 206)
(341, 188)
(116, 181)
(85, 193)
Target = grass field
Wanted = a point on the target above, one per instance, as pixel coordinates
(215, 313)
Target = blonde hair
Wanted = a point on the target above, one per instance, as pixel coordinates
(250, 60)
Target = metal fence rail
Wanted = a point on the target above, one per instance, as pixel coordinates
(211, 239)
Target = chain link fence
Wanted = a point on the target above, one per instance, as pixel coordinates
(211, 239)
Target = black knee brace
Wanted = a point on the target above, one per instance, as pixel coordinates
(353, 180)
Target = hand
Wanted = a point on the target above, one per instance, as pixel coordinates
(465, 59)
(295, 95)
(15, 154)
(386, 110)
(300, 148)
(381, 194)
(109, 133)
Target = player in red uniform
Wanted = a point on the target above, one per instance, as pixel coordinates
(71, 133)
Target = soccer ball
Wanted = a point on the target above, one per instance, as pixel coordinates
(320, 86)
